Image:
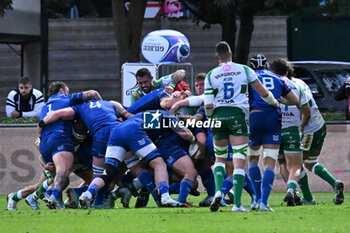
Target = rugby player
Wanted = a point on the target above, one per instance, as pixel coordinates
(313, 137)
(225, 91)
(146, 84)
(293, 118)
(56, 143)
(130, 136)
(265, 130)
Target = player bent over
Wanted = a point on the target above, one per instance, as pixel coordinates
(130, 136)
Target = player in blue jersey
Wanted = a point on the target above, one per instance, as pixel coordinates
(100, 118)
(56, 144)
(265, 130)
(131, 136)
(173, 148)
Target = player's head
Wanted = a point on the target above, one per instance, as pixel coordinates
(199, 83)
(58, 87)
(258, 62)
(223, 52)
(144, 80)
(79, 131)
(24, 86)
(282, 67)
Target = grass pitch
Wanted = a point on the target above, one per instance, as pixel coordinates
(324, 217)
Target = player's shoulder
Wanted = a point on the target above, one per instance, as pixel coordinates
(12, 94)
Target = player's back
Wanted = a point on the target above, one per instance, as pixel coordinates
(56, 102)
(316, 120)
(291, 113)
(273, 83)
(228, 82)
(97, 114)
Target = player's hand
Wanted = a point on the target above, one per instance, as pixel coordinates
(50, 167)
(15, 114)
(176, 94)
(186, 93)
(174, 108)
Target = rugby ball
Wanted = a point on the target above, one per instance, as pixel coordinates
(165, 46)
(194, 151)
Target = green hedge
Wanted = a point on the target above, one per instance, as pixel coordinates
(22, 120)
(334, 116)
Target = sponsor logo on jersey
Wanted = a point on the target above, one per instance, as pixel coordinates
(288, 114)
(226, 101)
(227, 74)
(226, 68)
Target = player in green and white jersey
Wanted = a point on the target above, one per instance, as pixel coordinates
(314, 134)
(226, 100)
(293, 118)
(146, 84)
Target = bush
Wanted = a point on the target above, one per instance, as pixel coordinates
(334, 116)
(22, 120)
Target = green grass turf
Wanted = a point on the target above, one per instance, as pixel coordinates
(324, 217)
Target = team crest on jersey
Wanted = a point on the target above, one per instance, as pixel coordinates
(142, 142)
(275, 137)
(151, 120)
(226, 68)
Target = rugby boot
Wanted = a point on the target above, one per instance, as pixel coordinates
(85, 201)
(55, 204)
(206, 201)
(169, 202)
(305, 202)
(289, 198)
(215, 204)
(142, 199)
(264, 207)
(339, 192)
(32, 202)
(239, 209)
(126, 196)
(11, 204)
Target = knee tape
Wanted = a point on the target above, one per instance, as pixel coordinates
(240, 151)
(252, 152)
(272, 153)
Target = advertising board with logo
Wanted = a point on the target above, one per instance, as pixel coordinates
(129, 82)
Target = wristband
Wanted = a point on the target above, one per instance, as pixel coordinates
(270, 99)
(124, 113)
(172, 85)
(209, 112)
(41, 123)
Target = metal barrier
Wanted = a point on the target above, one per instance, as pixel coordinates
(168, 68)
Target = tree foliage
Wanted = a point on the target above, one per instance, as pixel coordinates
(5, 5)
(225, 13)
